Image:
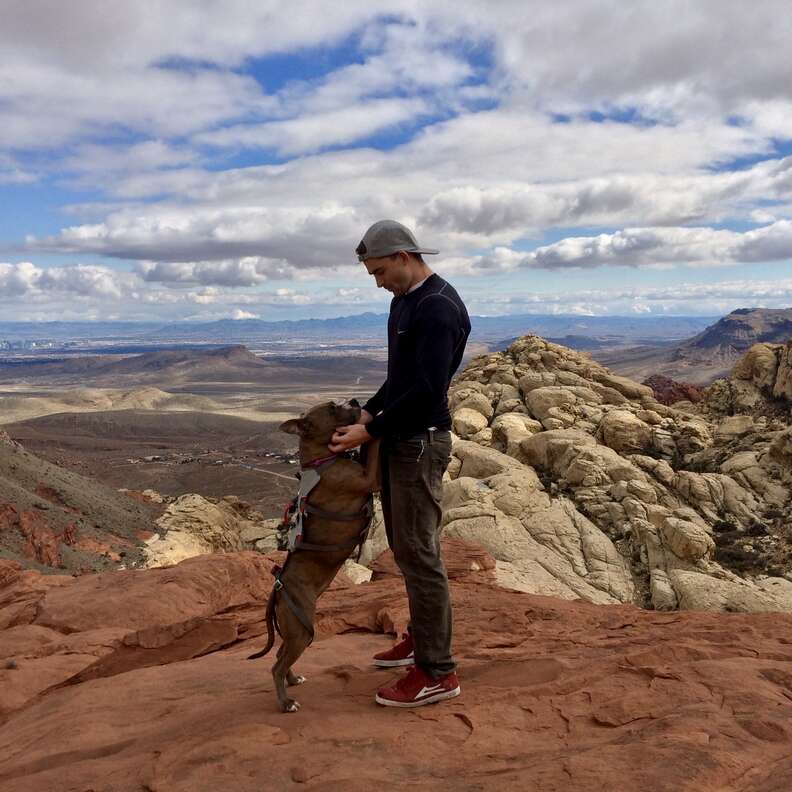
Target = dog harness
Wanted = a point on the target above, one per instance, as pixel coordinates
(291, 531)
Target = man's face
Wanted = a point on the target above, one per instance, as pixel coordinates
(390, 272)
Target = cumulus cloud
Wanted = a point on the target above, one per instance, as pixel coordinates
(304, 237)
(516, 208)
(706, 299)
(25, 278)
(654, 248)
(669, 58)
(608, 200)
(92, 161)
(636, 247)
(263, 211)
(636, 152)
(249, 271)
(314, 131)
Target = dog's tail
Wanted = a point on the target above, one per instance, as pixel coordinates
(270, 619)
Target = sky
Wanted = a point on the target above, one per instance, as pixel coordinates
(171, 160)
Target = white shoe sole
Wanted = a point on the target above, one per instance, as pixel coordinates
(408, 661)
(448, 694)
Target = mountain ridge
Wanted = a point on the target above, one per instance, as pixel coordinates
(52, 518)
(709, 354)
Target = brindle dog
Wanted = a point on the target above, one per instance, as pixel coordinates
(344, 488)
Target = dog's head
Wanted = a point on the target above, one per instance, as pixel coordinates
(320, 422)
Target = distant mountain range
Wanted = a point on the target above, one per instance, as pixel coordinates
(709, 354)
(687, 348)
(171, 368)
(365, 326)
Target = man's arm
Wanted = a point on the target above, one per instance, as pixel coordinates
(377, 401)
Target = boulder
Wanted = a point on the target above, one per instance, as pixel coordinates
(510, 429)
(193, 525)
(467, 422)
(356, 573)
(624, 432)
(477, 402)
(686, 539)
(259, 530)
(663, 596)
(734, 426)
(697, 591)
(781, 448)
(782, 389)
(555, 449)
(759, 365)
(480, 462)
(540, 401)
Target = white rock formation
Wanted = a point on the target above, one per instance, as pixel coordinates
(581, 484)
(193, 525)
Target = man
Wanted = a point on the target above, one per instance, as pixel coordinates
(428, 327)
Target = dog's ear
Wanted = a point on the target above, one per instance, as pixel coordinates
(293, 426)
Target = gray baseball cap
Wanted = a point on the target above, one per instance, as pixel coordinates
(387, 237)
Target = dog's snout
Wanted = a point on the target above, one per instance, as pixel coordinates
(354, 403)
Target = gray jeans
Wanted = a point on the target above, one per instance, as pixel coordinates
(412, 493)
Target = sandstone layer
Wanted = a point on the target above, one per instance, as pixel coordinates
(582, 485)
(138, 680)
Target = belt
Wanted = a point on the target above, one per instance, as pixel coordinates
(427, 434)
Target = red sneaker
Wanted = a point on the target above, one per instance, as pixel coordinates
(418, 688)
(400, 655)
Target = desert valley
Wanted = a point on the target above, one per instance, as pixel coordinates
(620, 556)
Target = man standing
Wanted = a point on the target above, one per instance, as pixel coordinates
(428, 327)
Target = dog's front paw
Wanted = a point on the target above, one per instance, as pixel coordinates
(290, 705)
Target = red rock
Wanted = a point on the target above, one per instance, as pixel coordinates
(10, 572)
(43, 544)
(9, 517)
(69, 535)
(460, 559)
(669, 391)
(90, 544)
(139, 680)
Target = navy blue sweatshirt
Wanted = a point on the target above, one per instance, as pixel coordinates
(427, 332)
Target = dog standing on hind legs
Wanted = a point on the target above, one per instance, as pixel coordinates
(331, 517)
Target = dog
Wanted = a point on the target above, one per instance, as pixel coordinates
(335, 514)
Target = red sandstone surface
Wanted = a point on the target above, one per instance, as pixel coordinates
(138, 680)
(43, 541)
(669, 391)
(43, 544)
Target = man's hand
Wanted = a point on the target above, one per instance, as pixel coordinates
(347, 437)
(365, 417)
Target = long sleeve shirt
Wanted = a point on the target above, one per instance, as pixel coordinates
(427, 332)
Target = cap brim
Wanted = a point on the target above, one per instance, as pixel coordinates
(392, 251)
